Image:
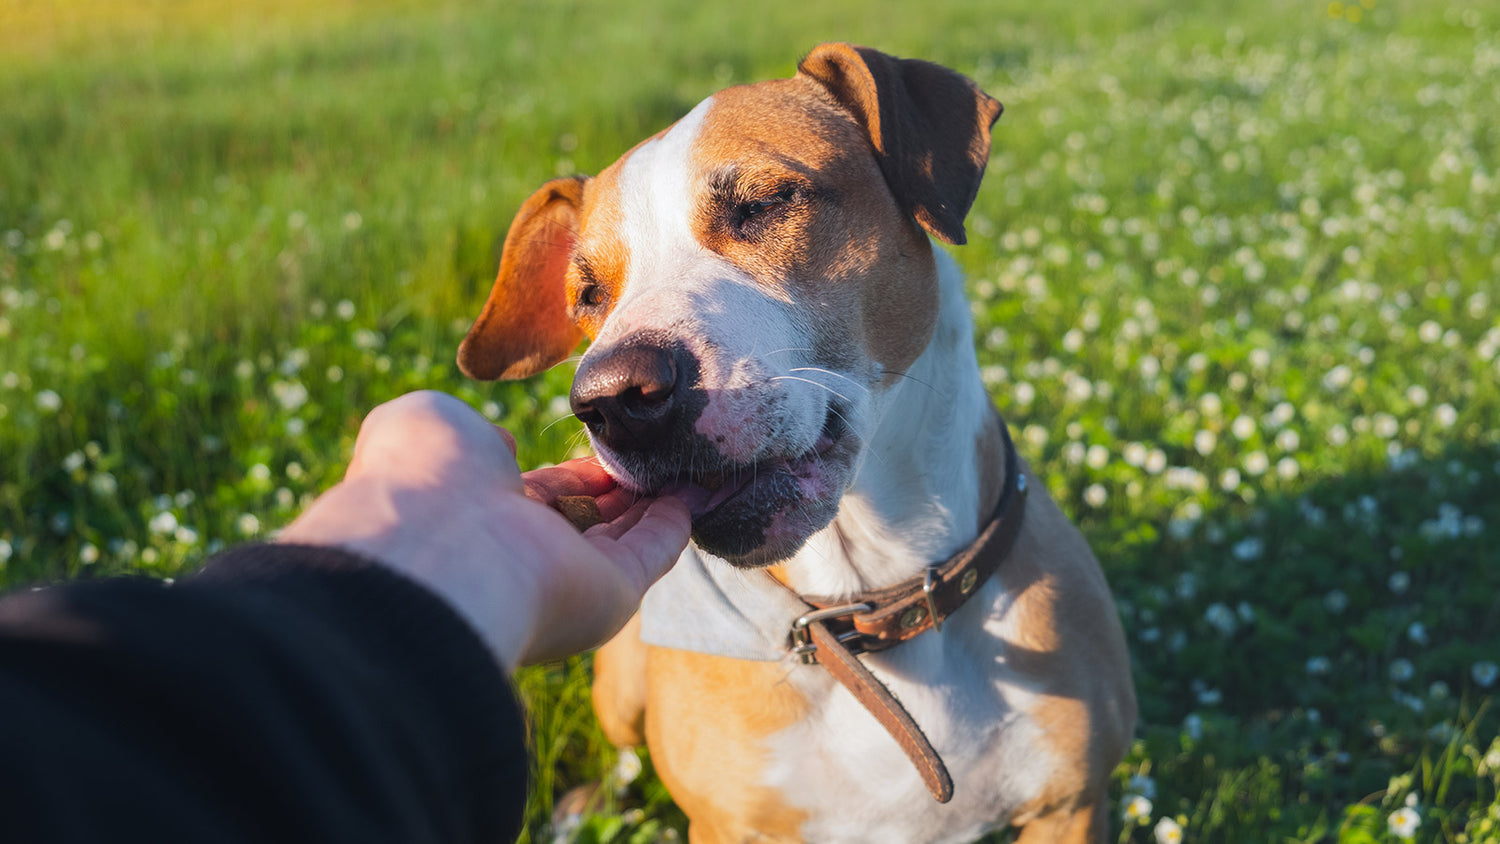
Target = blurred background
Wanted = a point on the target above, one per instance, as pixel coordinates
(1234, 270)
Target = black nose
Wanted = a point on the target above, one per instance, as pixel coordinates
(630, 396)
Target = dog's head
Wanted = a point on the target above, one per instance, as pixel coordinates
(752, 280)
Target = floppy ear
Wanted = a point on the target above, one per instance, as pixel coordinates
(929, 125)
(524, 327)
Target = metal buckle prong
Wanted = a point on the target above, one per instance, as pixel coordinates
(802, 644)
(929, 583)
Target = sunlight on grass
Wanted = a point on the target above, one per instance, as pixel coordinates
(1234, 277)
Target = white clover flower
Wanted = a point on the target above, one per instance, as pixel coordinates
(367, 340)
(1338, 435)
(1399, 582)
(1403, 822)
(73, 462)
(1137, 810)
(48, 401)
(6, 550)
(247, 524)
(1167, 831)
(1221, 618)
(186, 535)
(1429, 332)
(1492, 759)
(1288, 440)
(1484, 673)
(1417, 395)
(293, 362)
(627, 767)
(1417, 633)
(1095, 495)
(164, 522)
(88, 554)
(1243, 427)
(1336, 601)
(259, 473)
(291, 395)
(1035, 435)
(1156, 461)
(1247, 549)
(1400, 670)
(1210, 404)
(1097, 457)
(1229, 480)
(244, 370)
(1287, 468)
(1337, 378)
(1193, 726)
(1445, 415)
(1318, 666)
(1204, 442)
(344, 310)
(1386, 426)
(1256, 463)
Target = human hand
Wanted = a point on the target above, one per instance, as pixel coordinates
(433, 490)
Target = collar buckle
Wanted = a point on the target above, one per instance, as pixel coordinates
(929, 583)
(801, 637)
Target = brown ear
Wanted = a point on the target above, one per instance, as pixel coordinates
(524, 327)
(929, 125)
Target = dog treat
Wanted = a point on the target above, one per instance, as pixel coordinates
(581, 510)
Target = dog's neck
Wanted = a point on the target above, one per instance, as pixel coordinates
(927, 474)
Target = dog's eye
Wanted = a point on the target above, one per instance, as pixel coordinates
(750, 210)
(755, 212)
(591, 296)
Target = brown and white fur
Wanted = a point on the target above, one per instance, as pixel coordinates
(775, 339)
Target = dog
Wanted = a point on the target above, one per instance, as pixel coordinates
(776, 339)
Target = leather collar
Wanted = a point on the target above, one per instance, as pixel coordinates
(914, 606)
(831, 633)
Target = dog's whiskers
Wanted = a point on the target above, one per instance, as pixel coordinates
(935, 390)
(829, 372)
(809, 381)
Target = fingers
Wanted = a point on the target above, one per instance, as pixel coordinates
(583, 476)
(651, 534)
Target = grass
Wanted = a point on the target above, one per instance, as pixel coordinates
(1235, 273)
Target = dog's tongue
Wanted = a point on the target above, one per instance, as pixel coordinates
(694, 496)
(706, 494)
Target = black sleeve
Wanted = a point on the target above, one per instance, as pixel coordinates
(286, 694)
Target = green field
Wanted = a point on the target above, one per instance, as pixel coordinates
(1236, 274)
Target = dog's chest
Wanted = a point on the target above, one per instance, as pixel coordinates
(840, 768)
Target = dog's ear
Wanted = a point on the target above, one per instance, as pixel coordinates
(524, 327)
(929, 125)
